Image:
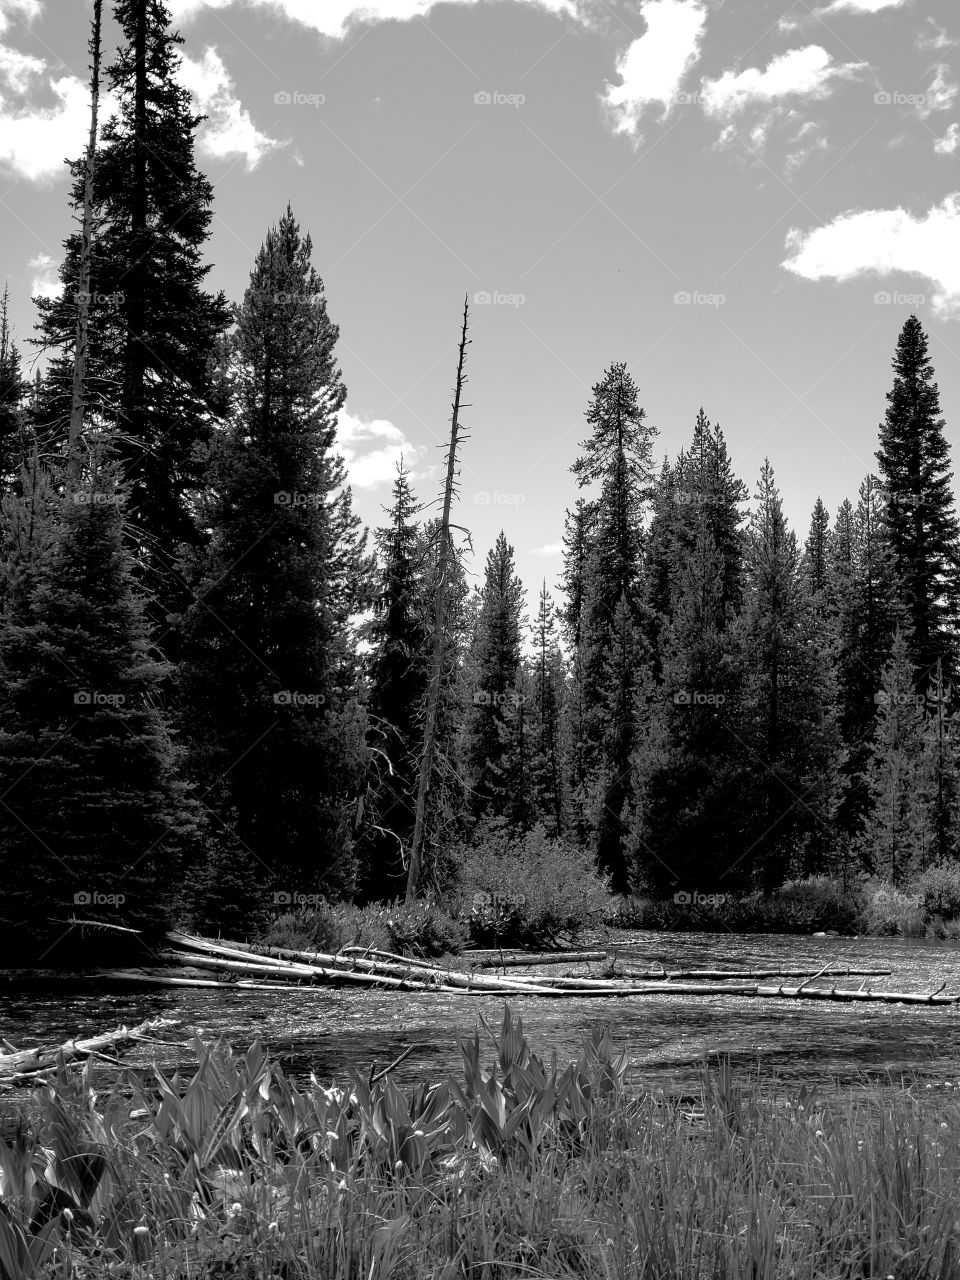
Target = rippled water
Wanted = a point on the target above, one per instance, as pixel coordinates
(330, 1031)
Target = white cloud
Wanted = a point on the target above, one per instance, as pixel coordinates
(654, 65)
(884, 241)
(862, 6)
(228, 130)
(808, 73)
(372, 450)
(45, 283)
(28, 9)
(551, 549)
(334, 17)
(35, 140)
(941, 94)
(933, 37)
(43, 119)
(950, 141)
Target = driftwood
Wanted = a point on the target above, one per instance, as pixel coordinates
(312, 967)
(511, 959)
(717, 975)
(36, 1061)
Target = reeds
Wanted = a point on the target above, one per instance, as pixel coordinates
(517, 1167)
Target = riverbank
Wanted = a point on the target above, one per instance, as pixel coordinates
(926, 906)
(539, 1170)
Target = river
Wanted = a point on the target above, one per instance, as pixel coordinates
(330, 1031)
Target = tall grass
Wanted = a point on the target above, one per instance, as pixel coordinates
(516, 1168)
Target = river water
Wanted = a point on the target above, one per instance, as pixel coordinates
(330, 1031)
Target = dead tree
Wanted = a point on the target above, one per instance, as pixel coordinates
(444, 554)
(78, 400)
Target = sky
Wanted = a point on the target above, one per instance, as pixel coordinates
(742, 199)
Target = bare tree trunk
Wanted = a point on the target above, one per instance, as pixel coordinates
(78, 403)
(439, 620)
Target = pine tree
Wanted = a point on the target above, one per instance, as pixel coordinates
(922, 527)
(576, 545)
(789, 721)
(94, 821)
(692, 817)
(898, 830)
(152, 328)
(867, 614)
(497, 746)
(617, 456)
(547, 758)
(270, 710)
(398, 636)
(13, 441)
(814, 565)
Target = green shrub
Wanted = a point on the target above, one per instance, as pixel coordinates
(816, 904)
(328, 926)
(524, 891)
(423, 929)
(939, 888)
(887, 911)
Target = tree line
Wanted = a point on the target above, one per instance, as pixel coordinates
(213, 679)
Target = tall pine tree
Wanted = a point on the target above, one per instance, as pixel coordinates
(153, 329)
(268, 677)
(922, 527)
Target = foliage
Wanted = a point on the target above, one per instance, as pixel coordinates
(815, 905)
(527, 889)
(422, 929)
(515, 1165)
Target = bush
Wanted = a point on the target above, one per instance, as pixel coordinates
(327, 927)
(939, 887)
(526, 890)
(424, 929)
(887, 911)
(813, 905)
(421, 930)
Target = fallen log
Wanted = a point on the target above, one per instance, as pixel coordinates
(516, 959)
(33, 1060)
(312, 966)
(717, 975)
(371, 973)
(150, 979)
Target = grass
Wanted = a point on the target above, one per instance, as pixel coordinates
(516, 1168)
